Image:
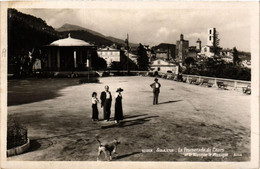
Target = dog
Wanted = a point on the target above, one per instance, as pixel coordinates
(107, 148)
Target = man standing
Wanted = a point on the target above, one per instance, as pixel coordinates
(106, 99)
(156, 90)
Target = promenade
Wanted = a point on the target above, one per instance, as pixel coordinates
(188, 116)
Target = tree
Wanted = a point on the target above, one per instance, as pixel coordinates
(142, 60)
(236, 59)
(215, 42)
(188, 62)
(97, 62)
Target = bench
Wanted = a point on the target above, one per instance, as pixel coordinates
(206, 81)
(247, 89)
(222, 85)
(193, 80)
(184, 79)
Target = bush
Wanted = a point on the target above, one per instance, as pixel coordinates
(16, 133)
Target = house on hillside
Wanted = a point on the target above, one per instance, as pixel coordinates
(109, 54)
(162, 66)
(133, 57)
(206, 51)
(246, 63)
(226, 55)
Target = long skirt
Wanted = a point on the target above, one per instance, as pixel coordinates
(118, 110)
(94, 112)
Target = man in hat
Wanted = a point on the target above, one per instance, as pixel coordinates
(156, 90)
(106, 99)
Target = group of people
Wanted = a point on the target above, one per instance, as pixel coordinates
(106, 101)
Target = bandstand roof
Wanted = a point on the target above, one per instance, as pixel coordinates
(70, 42)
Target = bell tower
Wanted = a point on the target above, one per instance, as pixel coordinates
(198, 45)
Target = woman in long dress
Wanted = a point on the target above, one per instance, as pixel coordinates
(118, 106)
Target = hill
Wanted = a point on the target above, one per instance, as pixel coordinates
(69, 27)
(26, 32)
(90, 35)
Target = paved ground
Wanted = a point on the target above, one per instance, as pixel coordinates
(188, 117)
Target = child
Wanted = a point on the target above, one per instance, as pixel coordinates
(94, 107)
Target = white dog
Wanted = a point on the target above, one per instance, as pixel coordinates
(107, 148)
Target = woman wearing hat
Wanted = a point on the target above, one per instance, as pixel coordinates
(118, 106)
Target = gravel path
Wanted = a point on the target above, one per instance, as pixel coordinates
(188, 117)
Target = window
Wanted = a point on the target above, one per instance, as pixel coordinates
(210, 31)
(205, 49)
(210, 38)
(158, 68)
(158, 62)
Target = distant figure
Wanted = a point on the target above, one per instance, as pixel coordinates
(106, 99)
(179, 79)
(156, 90)
(118, 105)
(94, 107)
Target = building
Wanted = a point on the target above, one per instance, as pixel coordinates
(69, 54)
(193, 52)
(109, 54)
(161, 55)
(162, 66)
(165, 51)
(212, 36)
(246, 63)
(212, 48)
(226, 52)
(182, 49)
(198, 45)
(206, 51)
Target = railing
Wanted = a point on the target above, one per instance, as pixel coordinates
(231, 83)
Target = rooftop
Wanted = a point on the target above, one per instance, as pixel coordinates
(70, 42)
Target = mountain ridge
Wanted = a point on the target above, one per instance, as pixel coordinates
(66, 28)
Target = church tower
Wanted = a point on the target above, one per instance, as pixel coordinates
(211, 36)
(198, 45)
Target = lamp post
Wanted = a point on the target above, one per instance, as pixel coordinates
(88, 63)
(127, 47)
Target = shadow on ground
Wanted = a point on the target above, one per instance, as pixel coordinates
(127, 155)
(128, 123)
(173, 101)
(39, 145)
(23, 91)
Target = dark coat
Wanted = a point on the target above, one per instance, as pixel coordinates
(154, 87)
(103, 97)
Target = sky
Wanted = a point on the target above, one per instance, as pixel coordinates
(155, 26)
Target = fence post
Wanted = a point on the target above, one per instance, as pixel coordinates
(215, 83)
(235, 85)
